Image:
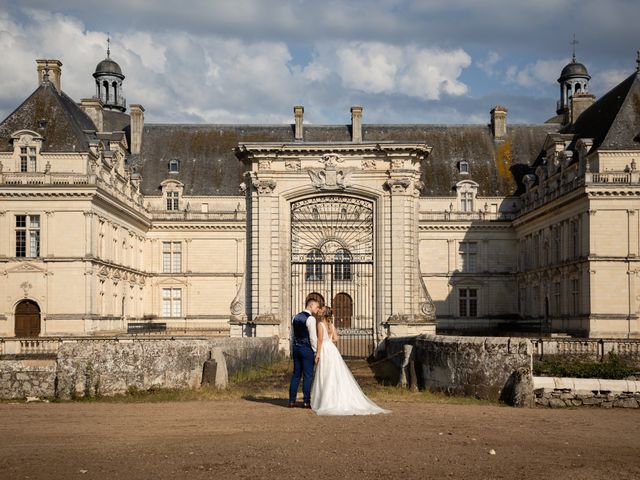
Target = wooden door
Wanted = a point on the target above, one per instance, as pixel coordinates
(342, 310)
(27, 319)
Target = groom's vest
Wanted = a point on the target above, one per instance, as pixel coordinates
(300, 331)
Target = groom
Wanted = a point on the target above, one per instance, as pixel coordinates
(304, 341)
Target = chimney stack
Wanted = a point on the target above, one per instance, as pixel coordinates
(137, 124)
(579, 103)
(93, 108)
(298, 112)
(499, 122)
(356, 124)
(55, 71)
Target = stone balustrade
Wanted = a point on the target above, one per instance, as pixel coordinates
(592, 348)
(110, 182)
(466, 216)
(181, 215)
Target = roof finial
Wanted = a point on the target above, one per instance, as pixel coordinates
(574, 42)
(108, 45)
(638, 61)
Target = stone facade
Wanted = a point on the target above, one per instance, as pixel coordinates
(108, 223)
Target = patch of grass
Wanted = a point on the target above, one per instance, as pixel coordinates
(613, 368)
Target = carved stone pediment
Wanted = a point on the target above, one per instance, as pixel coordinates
(26, 268)
(330, 178)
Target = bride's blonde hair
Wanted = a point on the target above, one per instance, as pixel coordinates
(327, 314)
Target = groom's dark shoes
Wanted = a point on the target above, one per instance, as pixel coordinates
(306, 405)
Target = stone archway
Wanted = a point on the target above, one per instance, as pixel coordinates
(27, 319)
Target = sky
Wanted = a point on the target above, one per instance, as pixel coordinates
(251, 61)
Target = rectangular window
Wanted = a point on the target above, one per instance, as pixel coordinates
(171, 257)
(557, 247)
(467, 256)
(556, 299)
(536, 251)
(28, 236)
(173, 201)
(575, 247)
(535, 304)
(575, 296)
(467, 201)
(23, 159)
(32, 159)
(171, 302)
(468, 298)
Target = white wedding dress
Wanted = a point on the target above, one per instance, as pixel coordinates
(335, 391)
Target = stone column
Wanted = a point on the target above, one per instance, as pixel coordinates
(263, 281)
(412, 308)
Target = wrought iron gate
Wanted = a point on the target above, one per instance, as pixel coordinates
(332, 260)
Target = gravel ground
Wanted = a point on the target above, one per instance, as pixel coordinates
(260, 438)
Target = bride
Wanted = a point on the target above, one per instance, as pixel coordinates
(335, 391)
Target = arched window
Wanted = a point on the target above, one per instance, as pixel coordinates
(115, 92)
(342, 265)
(314, 265)
(106, 91)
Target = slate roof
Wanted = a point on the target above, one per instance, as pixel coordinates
(208, 165)
(613, 121)
(66, 127)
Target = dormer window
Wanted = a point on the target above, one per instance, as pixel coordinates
(174, 166)
(26, 150)
(172, 191)
(467, 191)
(463, 166)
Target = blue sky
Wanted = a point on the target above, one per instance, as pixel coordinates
(250, 61)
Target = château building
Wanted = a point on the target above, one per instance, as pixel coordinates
(111, 225)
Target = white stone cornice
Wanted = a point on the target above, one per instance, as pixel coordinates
(257, 149)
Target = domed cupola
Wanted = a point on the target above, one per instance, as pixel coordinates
(109, 79)
(574, 78)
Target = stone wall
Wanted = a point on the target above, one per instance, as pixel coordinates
(27, 378)
(490, 368)
(481, 367)
(577, 392)
(91, 367)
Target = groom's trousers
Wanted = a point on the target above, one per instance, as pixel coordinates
(303, 358)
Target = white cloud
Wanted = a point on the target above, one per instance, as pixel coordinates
(540, 74)
(605, 80)
(378, 68)
(183, 77)
(489, 63)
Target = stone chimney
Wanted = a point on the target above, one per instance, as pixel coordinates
(137, 124)
(499, 122)
(93, 108)
(356, 124)
(55, 71)
(298, 113)
(579, 103)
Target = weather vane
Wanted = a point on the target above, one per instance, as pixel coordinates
(574, 42)
(108, 45)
